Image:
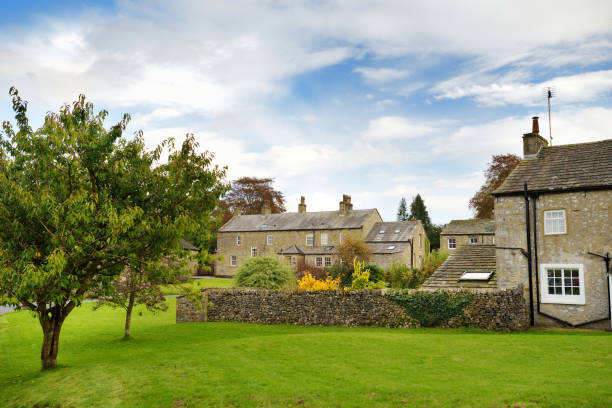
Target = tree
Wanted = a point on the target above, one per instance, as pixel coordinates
(80, 203)
(402, 211)
(351, 249)
(418, 211)
(498, 169)
(248, 195)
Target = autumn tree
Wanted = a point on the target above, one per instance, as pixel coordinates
(402, 211)
(80, 203)
(498, 169)
(248, 195)
(351, 249)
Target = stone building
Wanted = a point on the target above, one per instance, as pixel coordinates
(462, 232)
(312, 237)
(400, 242)
(553, 234)
(556, 206)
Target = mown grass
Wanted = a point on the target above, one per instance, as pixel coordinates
(198, 283)
(247, 365)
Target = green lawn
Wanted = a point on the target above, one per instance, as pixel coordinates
(200, 283)
(236, 365)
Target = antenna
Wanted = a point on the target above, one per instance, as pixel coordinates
(549, 92)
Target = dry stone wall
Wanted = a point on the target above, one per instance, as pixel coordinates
(503, 310)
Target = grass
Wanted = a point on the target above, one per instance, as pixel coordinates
(247, 365)
(199, 283)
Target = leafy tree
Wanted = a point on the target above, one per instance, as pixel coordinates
(498, 169)
(402, 211)
(248, 195)
(352, 249)
(434, 236)
(80, 203)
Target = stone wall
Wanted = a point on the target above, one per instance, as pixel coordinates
(589, 228)
(464, 239)
(501, 310)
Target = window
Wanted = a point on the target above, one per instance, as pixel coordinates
(238, 240)
(473, 240)
(390, 247)
(270, 240)
(319, 262)
(309, 240)
(233, 260)
(253, 251)
(562, 284)
(323, 238)
(327, 261)
(381, 231)
(340, 238)
(397, 231)
(452, 243)
(554, 222)
(476, 275)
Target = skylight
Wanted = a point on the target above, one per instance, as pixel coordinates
(381, 231)
(264, 225)
(476, 276)
(397, 231)
(391, 247)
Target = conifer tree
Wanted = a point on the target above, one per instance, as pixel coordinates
(402, 211)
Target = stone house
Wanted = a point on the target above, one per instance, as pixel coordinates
(309, 237)
(457, 233)
(556, 208)
(400, 242)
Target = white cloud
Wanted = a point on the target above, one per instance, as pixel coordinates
(396, 127)
(380, 75)
(577, 88)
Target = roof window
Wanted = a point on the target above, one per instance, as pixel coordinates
(391, 247)
(476, 276)
(264, 225)
(397, 231)
(381, 231)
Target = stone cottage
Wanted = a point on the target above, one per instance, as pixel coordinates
(312, 237)
(553, 233)
(556, 207)
(461, 232)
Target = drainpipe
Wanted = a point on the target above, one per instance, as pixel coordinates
(529, 269)
(411, 255)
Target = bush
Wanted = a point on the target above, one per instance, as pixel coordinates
(361, 278)
(309, 282)
(432, 261)
(401, 276)
(264, 272)
(377, 273)
(340, 271)
(432, 308)
(351, 249)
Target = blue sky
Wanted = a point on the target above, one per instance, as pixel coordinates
(377, 100)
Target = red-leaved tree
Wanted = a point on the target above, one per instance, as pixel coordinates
(498, 169)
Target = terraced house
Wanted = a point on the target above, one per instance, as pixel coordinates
(312, 237)
(461, 232)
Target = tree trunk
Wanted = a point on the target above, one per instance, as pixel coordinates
(128, 315)
(51, 327)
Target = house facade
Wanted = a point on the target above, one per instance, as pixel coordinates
(304, 237)
(556, 207)
(397, 242)
(457, 233)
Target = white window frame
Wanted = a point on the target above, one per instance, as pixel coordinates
(473, 240)
(253, 251)
(563, 298)
(319, 262)
(269, 239)
(328, 261)
(454, 243)
(324, 238)
(309, 239)
(233, 260)
(238, 240)
(549, 223)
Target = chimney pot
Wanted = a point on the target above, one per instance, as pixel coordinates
(535, 127)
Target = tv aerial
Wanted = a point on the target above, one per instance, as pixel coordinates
(550, 92)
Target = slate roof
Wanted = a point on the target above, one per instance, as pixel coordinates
(315, 250)
(581, 166)
(469, 227)
(464, 258)
(404, 228)
(385, 248)
(319, 220)
(188, 246)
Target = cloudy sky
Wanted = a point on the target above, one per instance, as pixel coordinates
(379, 100)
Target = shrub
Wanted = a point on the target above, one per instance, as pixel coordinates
(361, 278)
(432, 261)
(264, 272)
(309, 282)
(432, 308)
(302, 268)
(401, 276)
(376, 272)
(350, 249)
(340, 271)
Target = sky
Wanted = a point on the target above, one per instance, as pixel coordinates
(378, 100)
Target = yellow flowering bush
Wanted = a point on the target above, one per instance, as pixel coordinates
(309, 282)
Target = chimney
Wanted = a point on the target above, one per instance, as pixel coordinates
(265, 209)
(533, 142)
(345, 204)
(302, 205)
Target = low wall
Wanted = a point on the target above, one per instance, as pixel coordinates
(496, 310)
